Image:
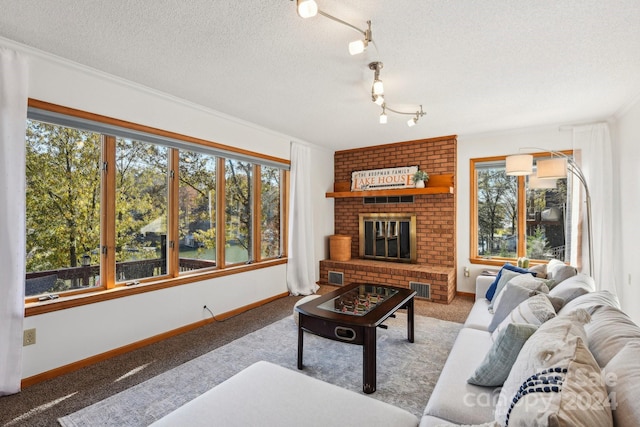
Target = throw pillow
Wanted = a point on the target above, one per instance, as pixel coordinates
(507, 300)
(534, 311)
(608, 332)
(573, 287)
(540, 270)
(570, 393)
(492, 288)
(504, 279)
(495, 367)
(552, 345)
(622, 378)
(559, 271)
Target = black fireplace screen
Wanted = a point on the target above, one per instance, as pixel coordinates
(389, 237)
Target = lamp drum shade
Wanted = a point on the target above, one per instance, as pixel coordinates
(552, 168)
(519, 164)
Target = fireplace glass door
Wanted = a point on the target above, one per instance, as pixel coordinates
(388, 237)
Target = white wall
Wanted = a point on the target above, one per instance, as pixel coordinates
(627, 141)
(73, 334)
(486, 145)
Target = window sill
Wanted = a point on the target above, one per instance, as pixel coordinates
(501, 261)
(71, 301)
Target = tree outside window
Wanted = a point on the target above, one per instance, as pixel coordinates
(518, 216)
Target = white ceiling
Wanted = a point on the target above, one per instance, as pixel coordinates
(475, 66)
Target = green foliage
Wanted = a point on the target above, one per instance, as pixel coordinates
(270, 210)
(537, 245)
(497, 208)
(63, 195)
(64, 172)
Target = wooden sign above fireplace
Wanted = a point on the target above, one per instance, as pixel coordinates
(383, 179)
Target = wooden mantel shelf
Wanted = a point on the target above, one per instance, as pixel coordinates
(437, 184)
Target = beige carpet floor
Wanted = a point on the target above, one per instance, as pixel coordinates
(42, 404)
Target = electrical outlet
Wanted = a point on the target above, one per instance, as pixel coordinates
(29, 337)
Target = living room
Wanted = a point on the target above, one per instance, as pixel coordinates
(79, 333)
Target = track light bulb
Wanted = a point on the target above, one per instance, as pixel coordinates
(383, 118)
(378, 88)
(307, 8)
(378, 99)
(412, 122)
(357, 47)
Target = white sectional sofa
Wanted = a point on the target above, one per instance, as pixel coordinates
(567, 356)
(598, 390)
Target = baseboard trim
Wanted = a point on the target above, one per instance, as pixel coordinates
(35, 379)
(465, 294)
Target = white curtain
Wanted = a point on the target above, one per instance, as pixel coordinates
(593, 152)
(13, 118)
(301, 278)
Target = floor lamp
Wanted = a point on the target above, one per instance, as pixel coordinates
(554, 168)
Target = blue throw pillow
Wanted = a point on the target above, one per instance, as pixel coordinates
(492, 289)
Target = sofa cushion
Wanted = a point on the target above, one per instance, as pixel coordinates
(570, 393)
(573, 287)
(508, 266)
(622, 378)
(496, 365)
(552, 345)
(479, 317)
(534, 311)
(453, 398)
(608, 332)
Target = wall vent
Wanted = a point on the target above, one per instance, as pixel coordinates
(336, 278)
(386, 200)
(422, 289)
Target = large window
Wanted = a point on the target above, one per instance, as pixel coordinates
(121, 205)
(197, 206)
(63, 208)
(516, 217)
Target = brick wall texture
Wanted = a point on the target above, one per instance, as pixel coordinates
(436, 213)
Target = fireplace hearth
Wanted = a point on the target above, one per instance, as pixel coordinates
(388, 237)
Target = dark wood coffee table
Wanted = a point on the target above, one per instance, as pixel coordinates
(351, 314)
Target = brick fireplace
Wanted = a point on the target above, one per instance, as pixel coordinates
(435, 213)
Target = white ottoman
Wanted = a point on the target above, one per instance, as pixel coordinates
(268, 395)
(302, 301)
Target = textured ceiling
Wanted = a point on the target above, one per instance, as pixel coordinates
(475, 66)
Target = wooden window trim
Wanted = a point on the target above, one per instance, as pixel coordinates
(110, 288)
(473, 212)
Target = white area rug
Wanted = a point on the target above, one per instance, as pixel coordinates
(406, 372)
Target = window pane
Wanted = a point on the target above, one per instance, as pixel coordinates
(548, 219)
(497, 211)
(270, 207)
(63, 208)
(238, 211)
(141, 210)
(197, 201)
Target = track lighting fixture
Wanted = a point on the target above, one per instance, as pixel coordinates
(383, 116)
(309, 8)
(377, 89)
